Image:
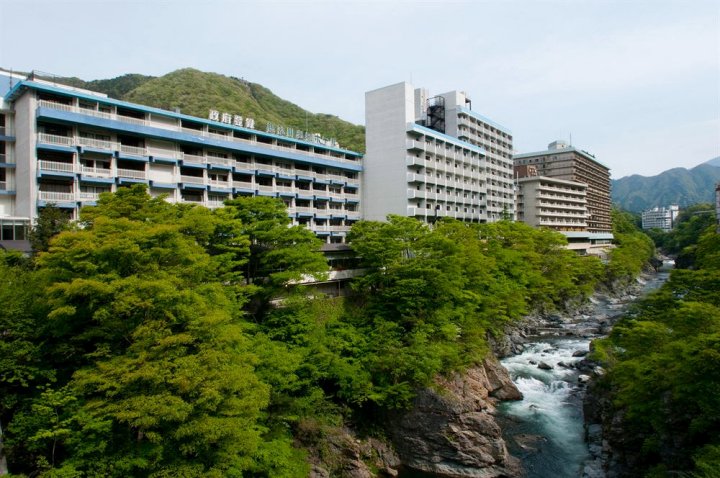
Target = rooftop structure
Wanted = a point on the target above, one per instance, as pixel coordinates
(561, 161)
(431, 157)
(66, 146)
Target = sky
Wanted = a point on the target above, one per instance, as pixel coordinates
(636, 83)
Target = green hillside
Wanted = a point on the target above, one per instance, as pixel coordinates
(195, 93)
(675, 186)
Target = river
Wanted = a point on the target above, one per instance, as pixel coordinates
(545, 429)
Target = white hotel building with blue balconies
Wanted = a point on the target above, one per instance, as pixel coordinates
(432, 157)
(66, 146)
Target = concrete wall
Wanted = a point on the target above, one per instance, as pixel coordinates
(387, 112)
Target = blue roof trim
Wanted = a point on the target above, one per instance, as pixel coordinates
(19, 88)
(193, 165)
(301, 177)
(192, 186)
(86, 149)
(224, 167)
(92, 179)
(57, 147)
(286, 176)
(482, 118)
(286, 194)
(155, 184)
(61, 205)
(7, 192)
(131, 181)
(249, 172)
(7, 165)
(444, 137)
(57, 174)
(179, 136)
(7, 137)
(131, 157)
(263, 193)
(322, 198)
(243, 191)
(160, 159)
(264, 172)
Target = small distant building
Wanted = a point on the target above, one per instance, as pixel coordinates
(662, 218)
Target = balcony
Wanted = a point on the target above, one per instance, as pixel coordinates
(56, 196)
(265, 189)
(136, 150)
(96, 172)
(96, 143)
(219, 183)
(56, 139)
(192, 179)
(57, 166)
(193, 158)
(220, 160)
(131, 173)
(88, 196)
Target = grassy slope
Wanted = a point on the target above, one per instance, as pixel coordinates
(196, 92)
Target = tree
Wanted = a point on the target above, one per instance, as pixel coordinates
(51, 221)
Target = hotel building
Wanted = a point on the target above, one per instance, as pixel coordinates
(662, 218)
(430, 157)
(66, 146)
(561, 161)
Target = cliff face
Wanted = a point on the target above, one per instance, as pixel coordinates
(451, 430)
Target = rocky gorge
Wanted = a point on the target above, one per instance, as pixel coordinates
(461, 427)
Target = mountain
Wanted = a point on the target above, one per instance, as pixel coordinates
(675, 186)
(713, 162)
(195, 93)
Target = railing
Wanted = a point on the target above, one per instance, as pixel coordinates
(243, 184)
(219, 160)
(285, 189)
(56, 139)
(307, 210)
(56, 166)
(229, 137)
(192, 179)
(140, 151)
(164, 153)
(101, 172)
(222, 184)
(56, 196)
(96, 143)
(193, 158)
(87, 196)
(266, 189)
(131, 173)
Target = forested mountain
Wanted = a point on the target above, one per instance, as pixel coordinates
(675, 186)
(196, 92)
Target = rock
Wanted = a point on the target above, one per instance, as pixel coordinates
(451, 430)
(599, 371)
(580, 353)
(532, 362)
(530, 443)
(583, 378)
(544, 366)
(564, 365)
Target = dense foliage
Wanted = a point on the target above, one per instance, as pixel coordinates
(633, 249)
(151, 335)
(682, 240)
(664, 371)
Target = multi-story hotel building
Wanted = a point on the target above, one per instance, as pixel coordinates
(660, 217)
(550, 202)
(430, 157)
(561, 161)
(66, 146)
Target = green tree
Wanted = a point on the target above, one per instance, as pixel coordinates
(51, 221)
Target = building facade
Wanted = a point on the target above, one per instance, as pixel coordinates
(660, 217)
(66, 146)
(431, 157)
(553, 203)
(561, 161)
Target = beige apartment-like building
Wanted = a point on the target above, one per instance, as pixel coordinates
(561, 161)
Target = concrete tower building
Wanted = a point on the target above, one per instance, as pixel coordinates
(430, 157)
(562, 161)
